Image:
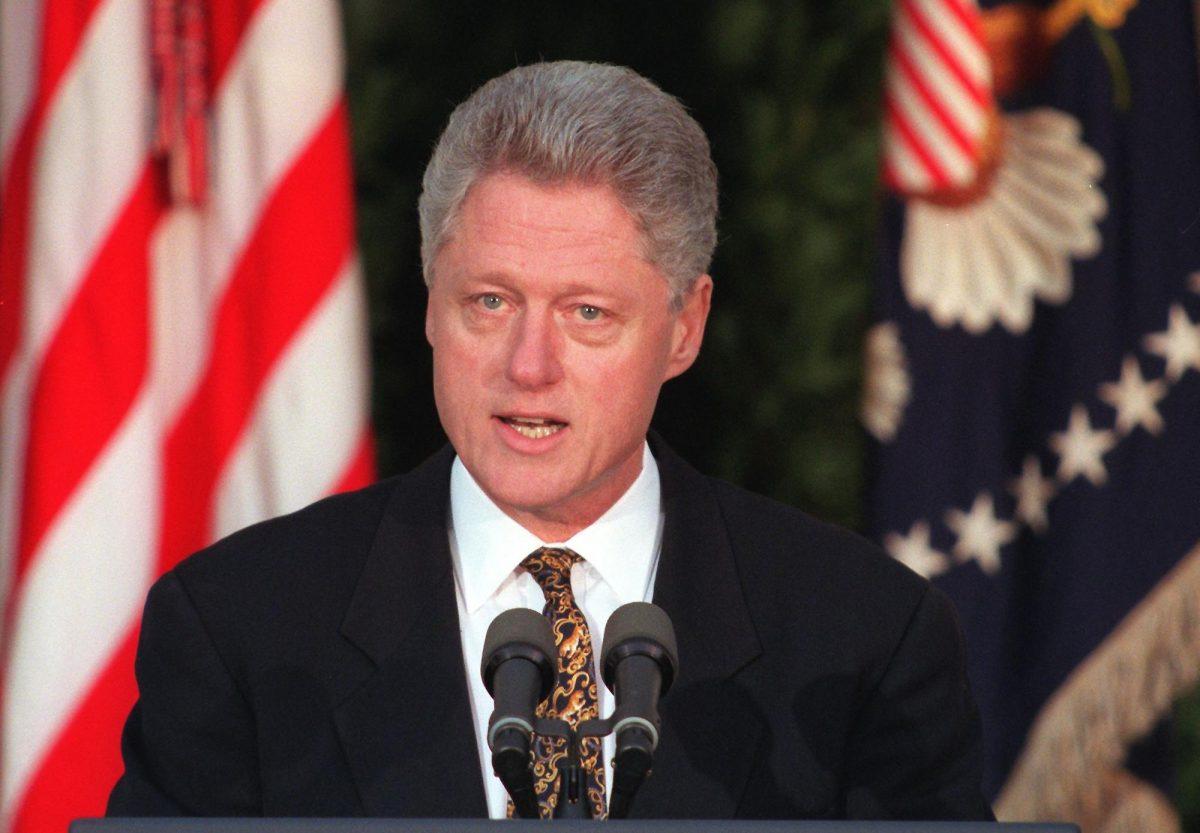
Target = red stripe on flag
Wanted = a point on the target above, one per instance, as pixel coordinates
(75, 777)
(891, 177)
(968, 16)
(227, 23)
(297, 251)
(96, 364)
(945, 118)
(361, 469)
(63, 23)
(14, 232)
(981, 95)
(914, 144)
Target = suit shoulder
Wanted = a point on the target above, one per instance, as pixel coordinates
(822, 590)
(281, 586)
(773, 539)
(322, 536)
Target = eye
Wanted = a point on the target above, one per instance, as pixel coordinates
(491, 302)
(589, 313)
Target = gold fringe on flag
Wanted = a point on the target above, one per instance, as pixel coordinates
(1071, 768)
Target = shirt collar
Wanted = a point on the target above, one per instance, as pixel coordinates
(487, 545)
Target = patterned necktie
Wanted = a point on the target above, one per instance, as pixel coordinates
(574, 696)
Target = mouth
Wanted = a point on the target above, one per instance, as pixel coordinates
(534, 428)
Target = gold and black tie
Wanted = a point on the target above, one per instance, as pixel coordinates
(574, 696)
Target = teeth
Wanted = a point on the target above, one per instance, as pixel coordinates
(535, 431)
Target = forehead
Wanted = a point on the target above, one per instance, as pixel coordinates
(509, 224)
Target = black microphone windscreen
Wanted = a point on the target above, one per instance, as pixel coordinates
(644, 622)
(518, 627)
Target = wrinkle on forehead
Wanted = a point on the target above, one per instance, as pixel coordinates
(568, 227)
(608, 219)
(547, 220)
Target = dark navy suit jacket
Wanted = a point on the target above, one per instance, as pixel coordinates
(312, 665)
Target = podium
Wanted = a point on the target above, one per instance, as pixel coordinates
(347, 825)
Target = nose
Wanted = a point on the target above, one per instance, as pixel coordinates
(534, 360)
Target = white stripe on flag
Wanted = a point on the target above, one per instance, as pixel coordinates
(82, 594)
(20, 27)
(180, 305)
(300, 438)
(957, 40)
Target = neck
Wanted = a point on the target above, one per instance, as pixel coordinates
(548, 531)
(555, 524)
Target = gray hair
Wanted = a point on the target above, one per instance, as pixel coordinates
(570, 121)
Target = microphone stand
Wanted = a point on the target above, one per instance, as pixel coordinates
(573, 801)
(512, 764)
(572, 795)
(629, 769)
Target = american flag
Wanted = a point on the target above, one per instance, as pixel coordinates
(182, 335)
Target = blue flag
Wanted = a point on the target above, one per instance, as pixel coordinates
(1033, 375)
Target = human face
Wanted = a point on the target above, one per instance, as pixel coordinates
(551, 337)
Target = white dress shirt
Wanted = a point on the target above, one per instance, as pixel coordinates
(620, 552)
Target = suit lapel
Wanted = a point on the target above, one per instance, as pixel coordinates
(407, 730)
(710, 732)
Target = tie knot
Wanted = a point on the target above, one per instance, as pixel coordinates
(551, 568)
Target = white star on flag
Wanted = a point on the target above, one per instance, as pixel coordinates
(1179, 344)
(1033, 492)
(1135, 399)
(913, 551)
(1080, 448)
(980, 534)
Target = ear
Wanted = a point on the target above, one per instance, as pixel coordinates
(689, 327)
(429, 316)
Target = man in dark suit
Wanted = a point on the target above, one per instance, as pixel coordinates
(324, 663)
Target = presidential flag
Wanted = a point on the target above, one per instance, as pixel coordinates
(1033, 377)
(182, 335)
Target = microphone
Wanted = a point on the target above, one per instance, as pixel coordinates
(519, 669)
(639, 661)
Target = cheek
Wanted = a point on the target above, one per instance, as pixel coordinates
(455, 379)
(626, 384)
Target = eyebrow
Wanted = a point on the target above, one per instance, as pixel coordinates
(501, 279)
(504, 280)
(584, 289)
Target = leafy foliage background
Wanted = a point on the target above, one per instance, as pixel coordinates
(789, 94)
